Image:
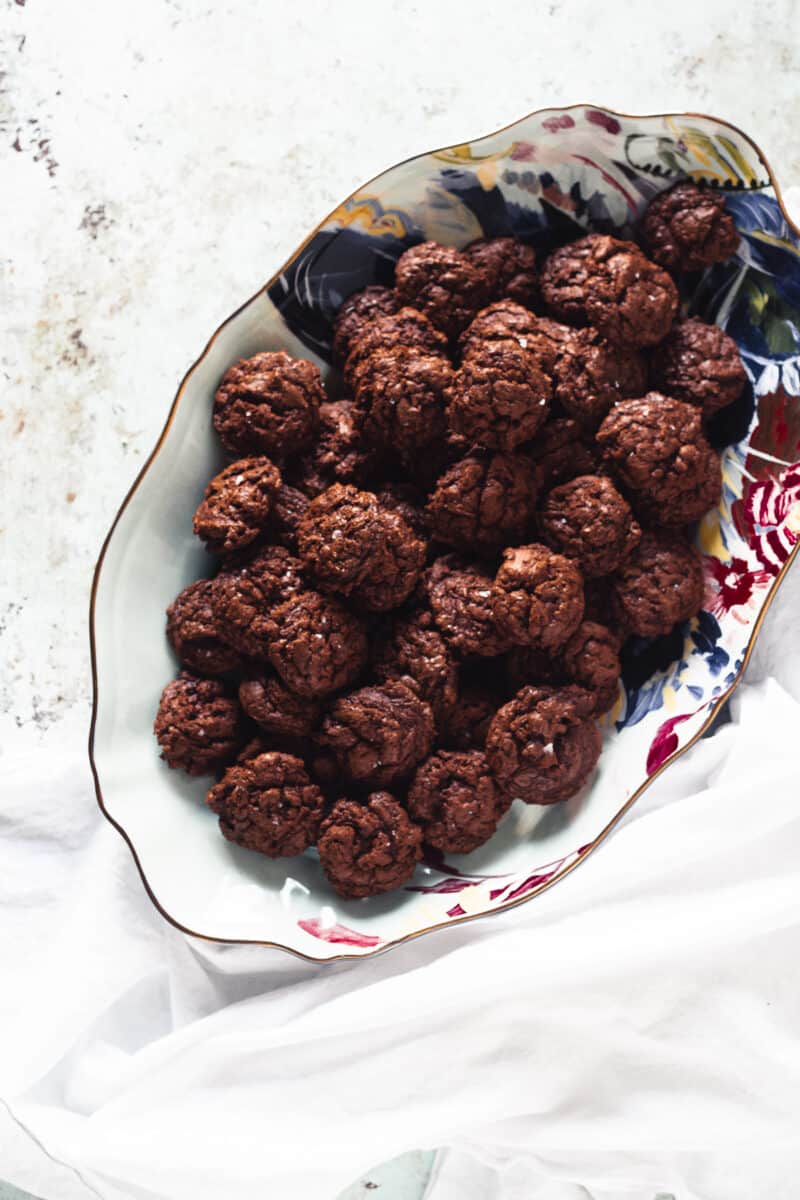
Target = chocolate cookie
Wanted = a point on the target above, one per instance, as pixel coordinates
(460, 599)
(507, 321)
(508, 268)
(659, 584)
(268, 404)
(688, 228)
(315, 644)
(543, 745)
(484, 500)
(588, 520)
(442, 283)
(267, 701)
(456, 801)
(245, 592)
(608, 283)
(414, 652)
(591, 374)
(407, 327)
(401, 396)
(340, 453)
(355, 315)
(655, 445)
(366, 849)
(700, 364)
(194, 633)
(537, 597)
(198, 724)
(702, 492)
(349, 544)
(268, 804)
(378, 734)
(237, 504)
(499, 397)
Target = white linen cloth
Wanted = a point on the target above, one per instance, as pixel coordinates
(630, 1034)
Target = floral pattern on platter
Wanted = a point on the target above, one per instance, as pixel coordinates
(547, 179)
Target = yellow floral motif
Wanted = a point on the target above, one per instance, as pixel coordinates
(465, 154)
(366, 211)
(719, 157)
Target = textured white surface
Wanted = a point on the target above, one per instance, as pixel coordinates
(158, 166)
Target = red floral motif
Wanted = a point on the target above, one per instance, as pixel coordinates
(523, 152)
(337, 933)
(553, 124)
(665, 742)
(730, 586)
(594, 117)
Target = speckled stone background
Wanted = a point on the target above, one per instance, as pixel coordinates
(161, 159)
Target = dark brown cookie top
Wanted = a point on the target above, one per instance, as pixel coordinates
(466, 724)
(245, 592)
(560, 452)
(537, 597)
(288, 506)
(396, 570)
(484, 500)
(587, 519)
(378, 734)
(504, 320)
(268, 804)
(315, 644)
(237, 504)
(687, 228)
(543, 745)
(508, 268)
(194, 633)
(602, 281)
(591, 660)
(591, 374)
(654, 445)
(401, 396)
(339, 537)
(659, 584)
(356, 313)
(702, 492)
(268, 404)
(700, 364)
(267, 701)
(366, 849)
(456, 801)
(198, 724)
(413, 651)
(408, 327)
(340, 453)
(442, 283)
(349, 544)
(499, 397)
(460, 598)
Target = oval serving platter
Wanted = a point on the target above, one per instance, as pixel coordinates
(547, 177)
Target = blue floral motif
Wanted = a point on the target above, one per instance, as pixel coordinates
(705, 636)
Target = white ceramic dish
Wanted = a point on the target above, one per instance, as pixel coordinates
(581, 165)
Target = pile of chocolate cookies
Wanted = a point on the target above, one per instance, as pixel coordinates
(422, 585)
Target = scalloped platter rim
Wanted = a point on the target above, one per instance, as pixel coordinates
(552, 174)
